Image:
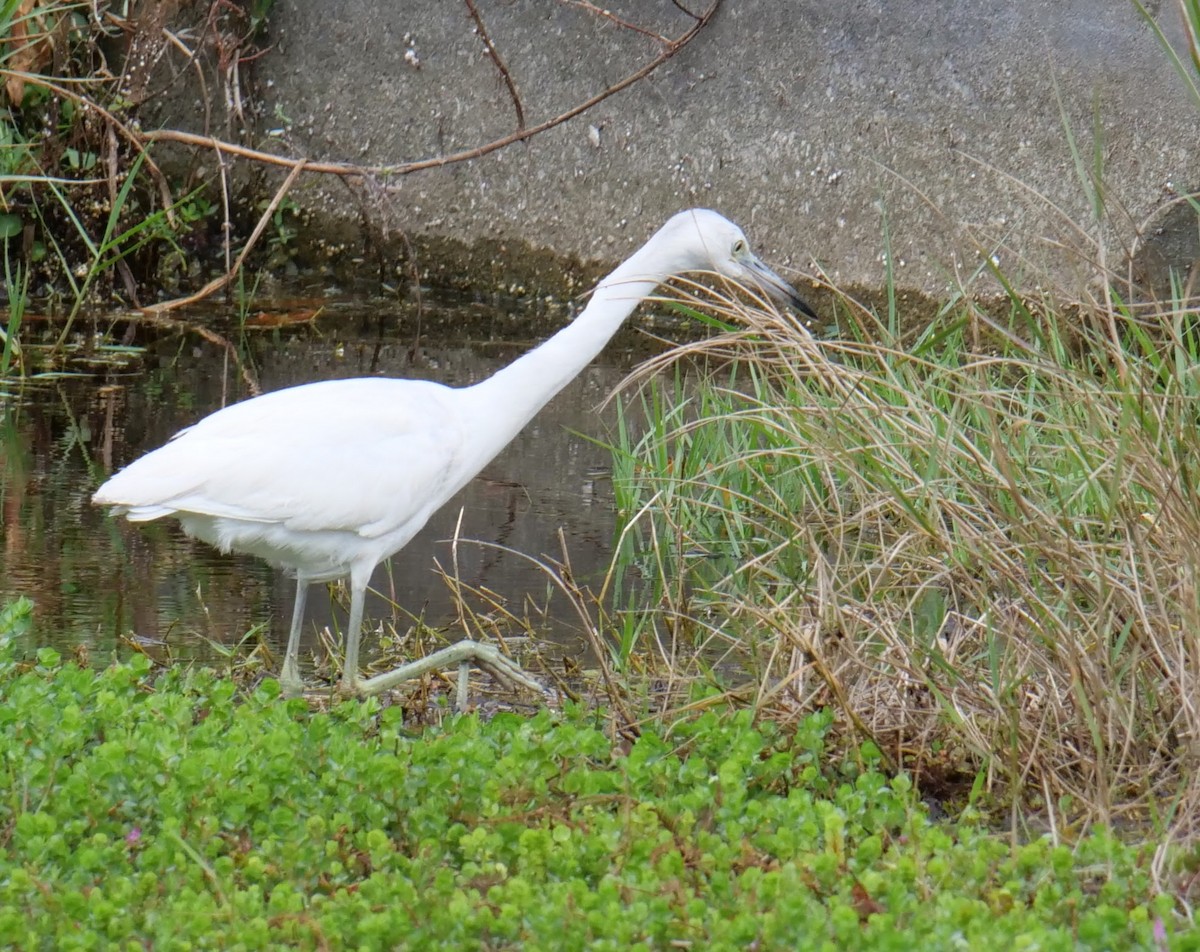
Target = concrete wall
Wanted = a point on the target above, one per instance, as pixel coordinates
(801, 119)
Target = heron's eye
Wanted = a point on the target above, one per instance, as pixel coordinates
(739, 247)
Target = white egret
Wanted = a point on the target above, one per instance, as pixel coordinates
(328, 479)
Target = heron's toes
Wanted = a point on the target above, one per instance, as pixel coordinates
(514, 675)
(290, 683)
(504, 669)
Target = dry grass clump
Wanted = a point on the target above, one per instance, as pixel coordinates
(980, 545)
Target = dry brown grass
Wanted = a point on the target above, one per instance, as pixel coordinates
(983, 556)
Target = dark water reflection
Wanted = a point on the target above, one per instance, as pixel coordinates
(95, 580)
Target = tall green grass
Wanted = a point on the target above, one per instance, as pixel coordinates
(980, 544)
(1188, 72)
(16, 286)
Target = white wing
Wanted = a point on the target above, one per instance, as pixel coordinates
(363, 455)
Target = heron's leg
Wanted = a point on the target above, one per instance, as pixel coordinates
(487, 657)
(464, 683)
(358, 596)
(289, 677)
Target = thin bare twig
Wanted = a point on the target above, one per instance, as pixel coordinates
(226, 221)
(623, 24)
(256, 155)
(682, 9)
(499, 61)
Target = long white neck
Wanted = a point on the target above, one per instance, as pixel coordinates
(496, 409)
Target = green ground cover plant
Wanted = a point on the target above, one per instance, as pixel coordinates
(170, 811)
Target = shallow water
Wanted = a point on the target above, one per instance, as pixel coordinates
(96, 581)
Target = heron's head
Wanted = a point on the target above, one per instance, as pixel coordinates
(709, 241)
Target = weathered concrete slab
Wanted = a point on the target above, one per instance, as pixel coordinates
(804, 120)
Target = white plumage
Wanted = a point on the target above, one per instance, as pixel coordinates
(326, 480)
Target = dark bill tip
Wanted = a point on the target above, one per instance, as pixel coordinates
(799, 304)
(781, 291)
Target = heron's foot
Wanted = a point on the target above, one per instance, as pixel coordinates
(289, 679)
(492, 661)
(487, 658)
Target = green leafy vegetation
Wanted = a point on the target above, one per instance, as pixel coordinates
(169, 812)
